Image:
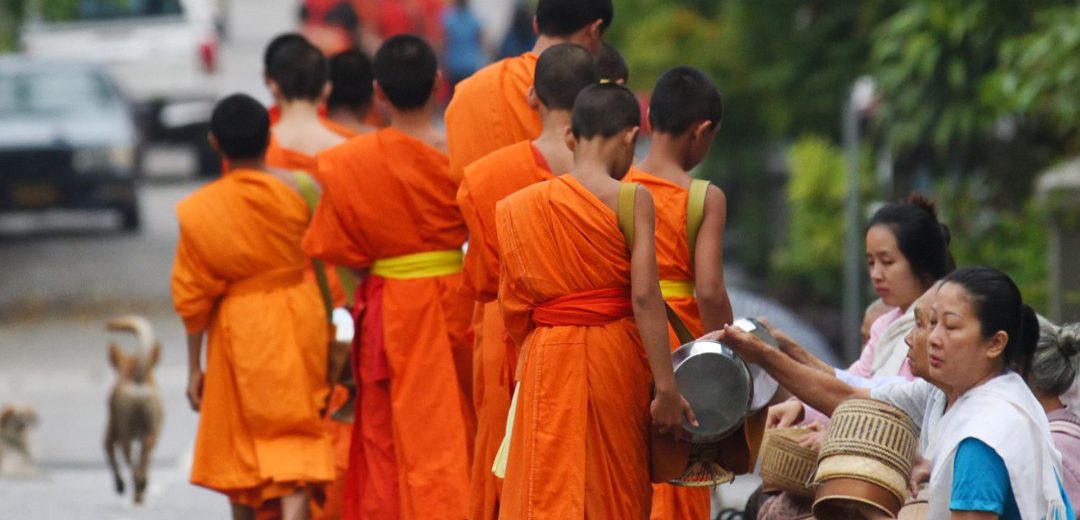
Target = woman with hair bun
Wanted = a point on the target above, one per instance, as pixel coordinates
(1052, 373)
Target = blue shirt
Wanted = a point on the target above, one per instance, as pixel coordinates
(981, 482)
(464, 52)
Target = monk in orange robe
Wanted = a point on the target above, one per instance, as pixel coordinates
(490, 109)
(388, 209)
(590, 318)
(239, 278)
(351, 100)
(685, 113)
(562, 72)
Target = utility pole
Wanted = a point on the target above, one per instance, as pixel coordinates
(859, 99)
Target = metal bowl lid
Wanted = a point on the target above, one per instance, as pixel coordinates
(716, 383)
(765, 386)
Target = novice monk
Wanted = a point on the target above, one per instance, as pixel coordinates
(388, 208)
(590, 319)
(490, 109)
(612, 65)
(297, 78)
(239, 276)
(350, 108)
(685, 114)
(562, 72)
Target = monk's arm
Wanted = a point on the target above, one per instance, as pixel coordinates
(195, 371)
(712, 295)
(668, 407)
(647, 300)
(822, 391)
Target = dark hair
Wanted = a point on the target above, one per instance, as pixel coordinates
(566, 17)
(405, 67)
(351, 75)
(921, 238)
(684, 96)
(299, 69)
(562, 72)
(604, 110)
(612, 65)
(1054, 366)
(276, 44)
(999, 306)
(241, 127)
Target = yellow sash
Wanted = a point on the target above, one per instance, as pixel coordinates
(419, 265)
(676, 289)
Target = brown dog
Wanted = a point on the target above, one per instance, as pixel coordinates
(135, 411)
(16, 420)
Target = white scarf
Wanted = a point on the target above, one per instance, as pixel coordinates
(891, 350)
(1005, 415)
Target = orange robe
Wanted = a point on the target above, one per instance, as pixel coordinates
(283, 158)
(490, 110)
(486, 182)
(239, 273)
(580, 438)
(673, 263)
(388, 195)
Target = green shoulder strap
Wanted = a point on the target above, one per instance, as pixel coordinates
(306, 186)
(626, 210)
(695, 213)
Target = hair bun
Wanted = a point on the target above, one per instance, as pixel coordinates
(924, 202)
(1068, 340)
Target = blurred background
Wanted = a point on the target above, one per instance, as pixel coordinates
(832, 109)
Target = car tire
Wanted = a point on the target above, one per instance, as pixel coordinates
(130, 220)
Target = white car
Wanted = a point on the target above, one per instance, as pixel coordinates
(162, 53)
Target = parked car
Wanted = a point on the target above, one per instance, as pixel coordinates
(163, 54)
(67, 140)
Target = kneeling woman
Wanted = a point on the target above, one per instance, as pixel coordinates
(992, 453)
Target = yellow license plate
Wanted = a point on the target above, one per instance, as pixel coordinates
(34, 195)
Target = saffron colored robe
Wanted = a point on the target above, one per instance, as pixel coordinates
(673, 264)
(580, 439)
(486, 182)
(387, 195)
(239, 274)
(490, 110)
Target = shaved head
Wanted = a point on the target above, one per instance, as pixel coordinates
(604, 111)
(683, 96)
(562, 72)
(406, 67)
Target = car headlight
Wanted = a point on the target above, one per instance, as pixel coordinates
(119, 159)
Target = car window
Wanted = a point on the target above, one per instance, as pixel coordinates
(80, 10)
(55, 92)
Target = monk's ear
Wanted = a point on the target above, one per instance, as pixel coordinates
(438, 83)
(275, 91)
(630, 136)
(571, 142)
(534, 102)
(703, 131)
(595, 31)
(536, 27)
(213, 142)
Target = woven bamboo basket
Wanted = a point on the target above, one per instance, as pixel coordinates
(865, 460)
(914, 510)
(787, 465)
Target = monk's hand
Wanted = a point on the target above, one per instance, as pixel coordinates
(746, 345)
(785, 414)
(194, 389)
(668, 410)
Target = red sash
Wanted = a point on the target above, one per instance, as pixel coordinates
(585, 309)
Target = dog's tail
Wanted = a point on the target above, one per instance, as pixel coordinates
(138, 325)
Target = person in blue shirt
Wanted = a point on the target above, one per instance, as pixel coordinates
(463, 49)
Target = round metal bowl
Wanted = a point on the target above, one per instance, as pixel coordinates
(765, 386)
(717, 385)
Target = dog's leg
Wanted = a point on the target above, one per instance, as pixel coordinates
(142, 468)
(110, 455)
(295, 506)
(241, 512)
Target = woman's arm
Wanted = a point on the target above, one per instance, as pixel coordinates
(820, 390)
